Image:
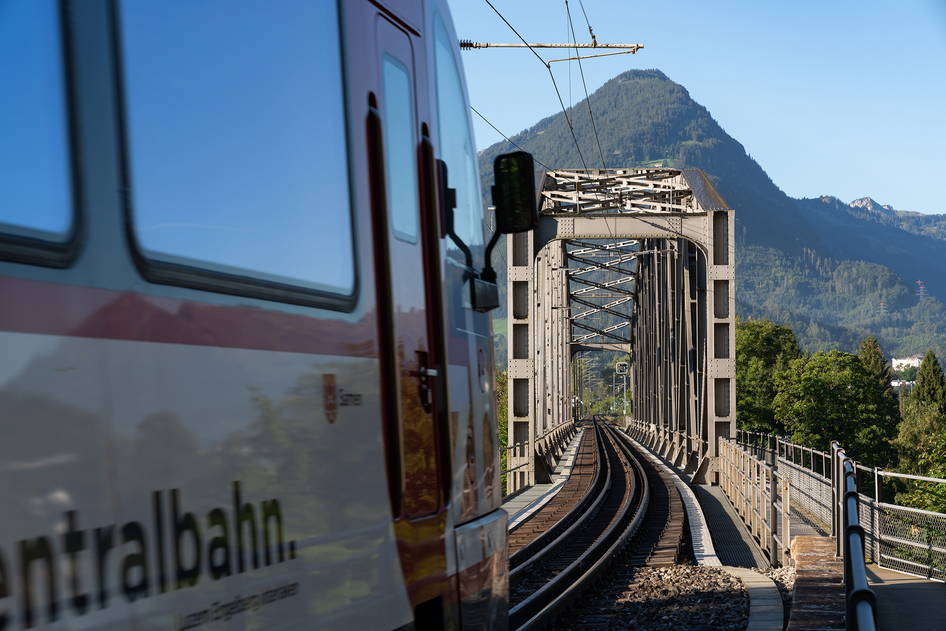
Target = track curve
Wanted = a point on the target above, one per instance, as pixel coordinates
(552, 574)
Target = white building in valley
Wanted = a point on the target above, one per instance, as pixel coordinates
(900, 363)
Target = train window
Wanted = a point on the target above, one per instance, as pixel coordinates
(399, 156)
(235, 118)
(35, 180)
(456, 146)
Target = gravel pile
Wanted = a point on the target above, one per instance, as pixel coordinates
(784, 578)
(673, 598)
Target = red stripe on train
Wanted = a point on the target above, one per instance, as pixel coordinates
(29, 306)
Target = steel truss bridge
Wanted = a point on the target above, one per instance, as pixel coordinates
(633, 260)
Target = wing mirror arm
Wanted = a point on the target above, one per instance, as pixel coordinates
(516, 211)
(448, 204)
(489, 274)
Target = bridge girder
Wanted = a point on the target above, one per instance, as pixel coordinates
(631, 260)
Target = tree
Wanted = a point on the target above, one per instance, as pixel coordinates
(875, 363)
(763, 348)
(922, 424)
(930, 386)
(932, 463)
(921, 441)
(831, 396)
(501, 392)
(872, 357)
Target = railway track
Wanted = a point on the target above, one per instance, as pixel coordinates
(619, 513)
(553, 518)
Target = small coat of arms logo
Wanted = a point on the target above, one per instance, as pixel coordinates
(330, 397)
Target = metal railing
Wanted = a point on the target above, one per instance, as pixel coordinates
(905, 538)
(860, 598)
(761, 496)
(516, 450)
(898, 537)
(768, 480)
(665, 441)
(807, 470)
(520, 456)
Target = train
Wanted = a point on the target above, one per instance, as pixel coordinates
(246, 371)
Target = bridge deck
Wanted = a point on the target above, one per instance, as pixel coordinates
(907, 602)
(734, 546)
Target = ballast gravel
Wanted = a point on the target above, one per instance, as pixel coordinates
(672, 598)
(784, 578)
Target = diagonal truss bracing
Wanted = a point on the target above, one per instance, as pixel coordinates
(596, 316)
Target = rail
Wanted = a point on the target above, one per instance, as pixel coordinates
(520, 553)
(540, 607)
(860, 598)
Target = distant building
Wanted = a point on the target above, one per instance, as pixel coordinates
(906, 362)
(899, 384)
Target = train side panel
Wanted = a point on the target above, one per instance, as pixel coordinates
(177, 456)
(193, 390)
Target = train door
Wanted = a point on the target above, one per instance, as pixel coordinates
(412, 366)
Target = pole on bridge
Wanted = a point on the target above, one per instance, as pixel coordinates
(837, 528)
(773, 516)
(875, 518)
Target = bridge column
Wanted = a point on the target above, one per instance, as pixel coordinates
(520, 283)
(721, 334)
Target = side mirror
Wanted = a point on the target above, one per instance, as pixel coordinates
(514, 193)
(516, 211)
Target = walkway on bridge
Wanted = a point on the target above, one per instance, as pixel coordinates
(523, 504)
(733, 544)
(907, 602)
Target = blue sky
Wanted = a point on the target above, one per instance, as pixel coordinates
(840, 97)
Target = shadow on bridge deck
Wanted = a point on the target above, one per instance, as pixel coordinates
(907, 602)
(733, 544)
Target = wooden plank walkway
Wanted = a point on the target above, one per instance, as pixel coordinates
(818, 597)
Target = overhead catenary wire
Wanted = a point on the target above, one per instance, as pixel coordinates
(584, 85)
(548, 67)
(510, 141)
(571, 101)
(587, 23)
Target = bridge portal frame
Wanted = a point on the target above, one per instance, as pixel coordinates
(682, 331)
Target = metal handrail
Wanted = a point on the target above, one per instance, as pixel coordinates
(555, 428)
(524, 464)
(514, 445)
(510, 454)
(564, 428)
(860, 598)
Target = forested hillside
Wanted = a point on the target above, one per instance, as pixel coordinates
(835, 272)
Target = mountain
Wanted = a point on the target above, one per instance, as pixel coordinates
(834, 271)
(871, 205)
